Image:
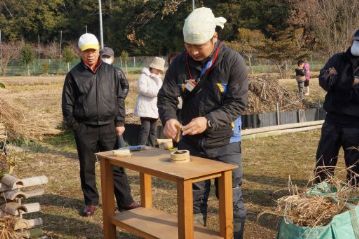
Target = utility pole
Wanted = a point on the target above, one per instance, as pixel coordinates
(60, 42)
(0, 46)
(100, 16)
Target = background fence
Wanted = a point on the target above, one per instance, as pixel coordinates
(131, 65)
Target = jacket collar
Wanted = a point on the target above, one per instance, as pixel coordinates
(97, 66)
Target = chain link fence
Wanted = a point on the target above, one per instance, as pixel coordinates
(129, 65)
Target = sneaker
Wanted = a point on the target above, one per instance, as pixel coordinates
(89, 210)
(133, 205)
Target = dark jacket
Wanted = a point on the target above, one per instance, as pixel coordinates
(342, 99)
(93, 98)
(220, 96)
(123, 81)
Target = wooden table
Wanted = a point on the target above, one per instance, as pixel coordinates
(148, 222)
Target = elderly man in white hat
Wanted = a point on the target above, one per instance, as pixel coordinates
(212, 81)
(93, 107)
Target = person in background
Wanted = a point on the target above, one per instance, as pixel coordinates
(170, 58)
(300, 77)
(212, 80)
(340, 79)
(307, 77)
(149, 84)
(93, 107)
(108, 56)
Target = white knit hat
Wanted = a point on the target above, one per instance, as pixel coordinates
(200, 25)
(158, 63)
(88, 41)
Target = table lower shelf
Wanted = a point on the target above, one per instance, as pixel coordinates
(152, 223)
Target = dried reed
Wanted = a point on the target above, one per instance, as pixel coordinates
(308, 209)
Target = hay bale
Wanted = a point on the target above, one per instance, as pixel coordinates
(13, 120)
(265, 92)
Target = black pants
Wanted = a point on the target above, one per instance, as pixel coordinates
(333, 137)
(230, 153)
(148, 132)
(300, 89)
(92, 139)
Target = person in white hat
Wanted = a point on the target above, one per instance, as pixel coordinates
(340, 79)
(149, 84)
(212, 81)
(93, 107)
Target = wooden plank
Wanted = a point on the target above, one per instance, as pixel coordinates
(154, 224)
(225, 205)
(185, 210)
(146, 190)
(281, 127)
(108, 200)
(157, 162)
(280, 132)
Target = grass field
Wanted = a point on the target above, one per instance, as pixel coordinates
(267, 162)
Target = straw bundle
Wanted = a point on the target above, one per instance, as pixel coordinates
(7, 225)
(265, 92)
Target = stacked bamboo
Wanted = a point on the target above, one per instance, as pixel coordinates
(12, 209)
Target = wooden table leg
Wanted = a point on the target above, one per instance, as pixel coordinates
(108, 200)
(225, 205)
(185, 209)
(146, 190)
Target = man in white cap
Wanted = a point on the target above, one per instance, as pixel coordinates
(212, 81)
(93, 106)
(340, 78)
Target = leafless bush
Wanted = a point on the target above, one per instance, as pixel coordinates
(9, 51)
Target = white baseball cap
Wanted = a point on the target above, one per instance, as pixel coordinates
(88, 41)
(158, 63)
(200, 25)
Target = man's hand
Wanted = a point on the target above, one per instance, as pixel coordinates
(171, 128)
(196, 126)
(120, 130)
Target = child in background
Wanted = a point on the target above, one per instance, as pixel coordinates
(307, 77)
(300, 77)
(149, 84)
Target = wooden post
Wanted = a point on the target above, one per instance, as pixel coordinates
(146, 190)
(278, 113)
(185, 209)
(225, 205)
(108, 200)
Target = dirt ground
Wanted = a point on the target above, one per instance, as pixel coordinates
(267, 163)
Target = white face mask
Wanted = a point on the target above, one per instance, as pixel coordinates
(108, 60)
(355, 48)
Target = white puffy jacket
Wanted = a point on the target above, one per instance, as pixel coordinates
(148, 86)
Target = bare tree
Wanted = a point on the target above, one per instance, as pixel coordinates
(333, 22)
(9, 51)
(247, 44)
(51, 51)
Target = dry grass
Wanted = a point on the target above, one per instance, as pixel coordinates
(7, 224)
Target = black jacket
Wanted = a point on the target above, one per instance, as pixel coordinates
(342, 99)
(220, 96)
(93, 98)
(123, 81)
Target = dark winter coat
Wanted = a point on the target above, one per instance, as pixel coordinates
(93, 98)
(220, 96)
(342, 99)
